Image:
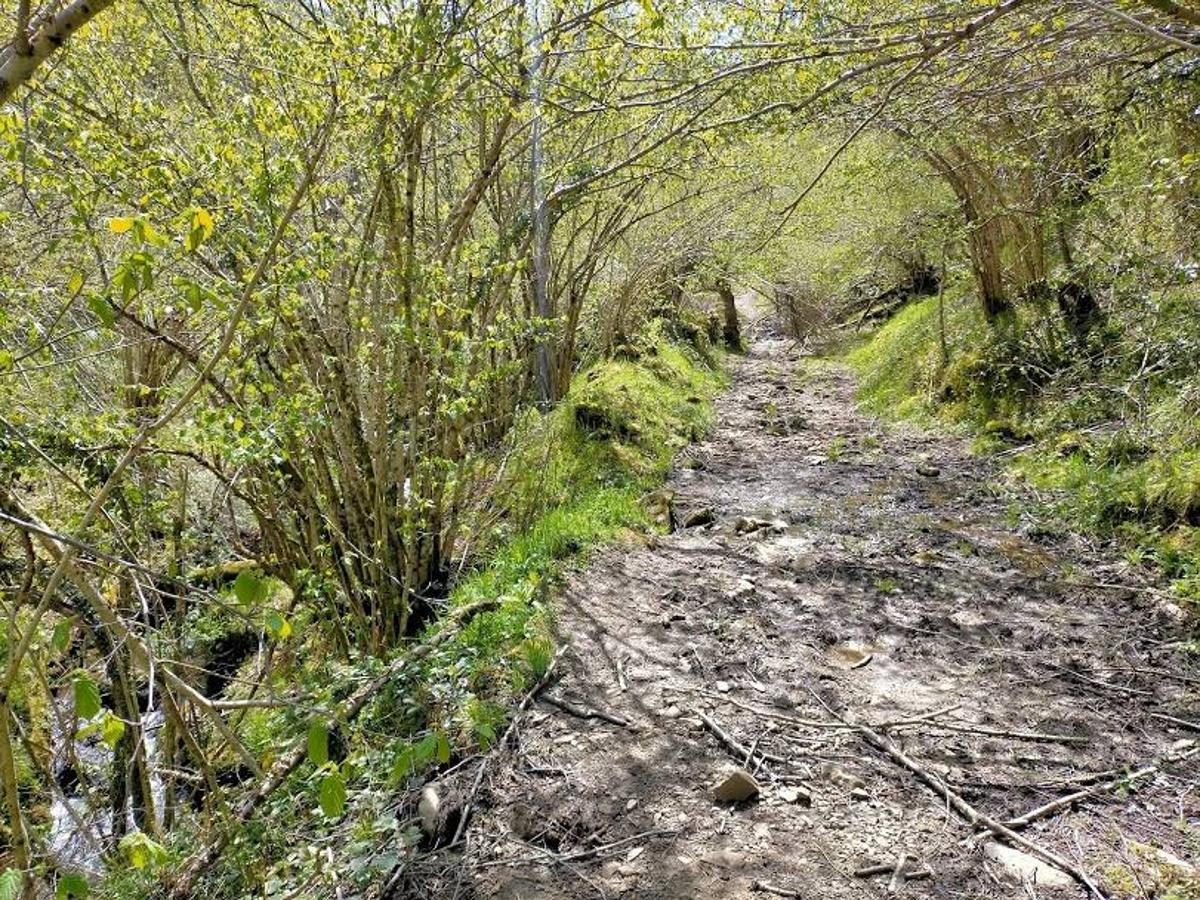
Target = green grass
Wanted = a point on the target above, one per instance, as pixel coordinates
(573, 481)
(1111, 450)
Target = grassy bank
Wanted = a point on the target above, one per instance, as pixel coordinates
(562, 485)
(1110, 443)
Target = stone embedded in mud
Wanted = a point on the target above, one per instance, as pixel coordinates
(794, 794)
(736, 786)
(698, 517)
(1022, 868)
(929, 470)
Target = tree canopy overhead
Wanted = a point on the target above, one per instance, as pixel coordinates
(284, 280)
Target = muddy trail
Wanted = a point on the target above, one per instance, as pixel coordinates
(849, 613)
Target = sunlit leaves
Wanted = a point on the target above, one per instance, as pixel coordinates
(200, 229)
(86, 694)
(142, 851)
(112, 729)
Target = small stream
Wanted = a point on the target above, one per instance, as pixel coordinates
(80, 815)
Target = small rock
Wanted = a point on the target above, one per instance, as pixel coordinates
(735, 787)
(698, 517)
(747, 524)
(859, 793)
(428, 809)
(793, 794)
(692, 463)
(929, 470)
(672, 712)
(631, 805)
(634, 854)
(1022, 868)
(723, 687)
(670, 617)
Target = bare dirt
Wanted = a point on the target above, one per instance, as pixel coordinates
(852, 574)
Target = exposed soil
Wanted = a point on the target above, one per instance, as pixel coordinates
(852, 572)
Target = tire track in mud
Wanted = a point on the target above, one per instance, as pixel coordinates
(848, 571)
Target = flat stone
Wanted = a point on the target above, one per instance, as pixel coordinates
(1021, 867)
(929, 470)
(698, 517)
(736, 786)
(793, 794)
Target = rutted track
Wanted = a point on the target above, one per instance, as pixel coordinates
(886, 582)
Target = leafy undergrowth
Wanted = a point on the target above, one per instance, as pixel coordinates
(1103, 425)
(564, 484)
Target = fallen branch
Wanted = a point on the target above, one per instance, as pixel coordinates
(580, 713)
(738, 749)
(1068, 801)
(768, 888)
(974, 816)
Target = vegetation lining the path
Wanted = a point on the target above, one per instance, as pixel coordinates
(564, 484)
(1110, 444)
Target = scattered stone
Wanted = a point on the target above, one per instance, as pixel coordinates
(859, 793)
(698, 517)
(631, 805)
(929, 470)
(724, 687)
(634, 854)
(672, 712)
(1022, 868)
(670, 617)
(835, 774)
(692, 463)
(747, 524)
(794, 794)
(736, 786)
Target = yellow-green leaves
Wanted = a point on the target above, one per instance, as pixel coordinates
(121, 224)
(142, 851)
(201, 229)
(278, 627)
(112, 730)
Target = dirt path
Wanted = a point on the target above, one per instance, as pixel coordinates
(850, 572)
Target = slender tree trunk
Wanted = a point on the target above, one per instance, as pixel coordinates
(732, 331)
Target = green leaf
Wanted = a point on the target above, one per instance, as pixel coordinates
(249, 588)
(60, 641)
(71, 886)
(404, 766)
(112, 730)
(10, 884)
(333, 794)
(318, 743)
(87, 695)
(143, 851)
(120, 224)
(279, 627)
(443, 748)
(102, 309)
(6, 360)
